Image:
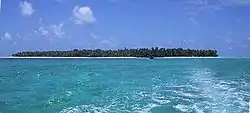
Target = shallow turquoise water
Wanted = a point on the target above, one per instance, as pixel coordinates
(124, 85)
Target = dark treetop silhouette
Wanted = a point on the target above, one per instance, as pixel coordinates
(139, 52)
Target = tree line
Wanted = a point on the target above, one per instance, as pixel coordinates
(139, 52)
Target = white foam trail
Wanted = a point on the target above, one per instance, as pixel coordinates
(85, 109)
(160, 101)
(38, 75)
(129, 104)
(69, 93)
(71, 110)
(220, 96)
(187, 94)
(197, 109)
(182, 108)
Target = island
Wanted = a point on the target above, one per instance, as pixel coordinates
(138, 52)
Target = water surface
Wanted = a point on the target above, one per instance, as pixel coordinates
(124, 85)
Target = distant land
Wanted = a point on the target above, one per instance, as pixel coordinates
(138, 52)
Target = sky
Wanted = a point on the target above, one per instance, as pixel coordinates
(40, 25)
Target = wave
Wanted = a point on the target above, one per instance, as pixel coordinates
(160, 101)
(95, 109)
(135, 101)
(182, 108)
(203, 93)
(85, 109)
(215, 95)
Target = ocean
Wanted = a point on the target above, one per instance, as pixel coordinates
(182, 85)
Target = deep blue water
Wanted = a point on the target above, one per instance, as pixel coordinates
(124, 85)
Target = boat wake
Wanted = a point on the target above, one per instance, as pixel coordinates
(211, 94)
(201, 91)
(85, 109)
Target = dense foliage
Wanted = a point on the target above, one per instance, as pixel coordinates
(139, 52)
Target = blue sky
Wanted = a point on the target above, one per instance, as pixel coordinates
(223, 25)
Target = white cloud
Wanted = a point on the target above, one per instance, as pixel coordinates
(40, 21)
(26, 8)
(43, 31)
(228, 41)
(83, 14)
(244, 45)
(56, 30)
(108, 42)
(18, 35)
(241, 2)
(230, 48)
(6, 36)
(0, 5)
(187, 41)
(196, 6)
(93, 35)
(248, 38)
(193, 20)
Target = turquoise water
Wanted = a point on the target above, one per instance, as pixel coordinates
(124, 85)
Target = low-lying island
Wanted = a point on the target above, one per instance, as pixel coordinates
(138, 52)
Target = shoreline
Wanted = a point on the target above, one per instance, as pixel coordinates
(114, 57)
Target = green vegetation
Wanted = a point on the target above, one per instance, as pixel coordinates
(139, 52)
